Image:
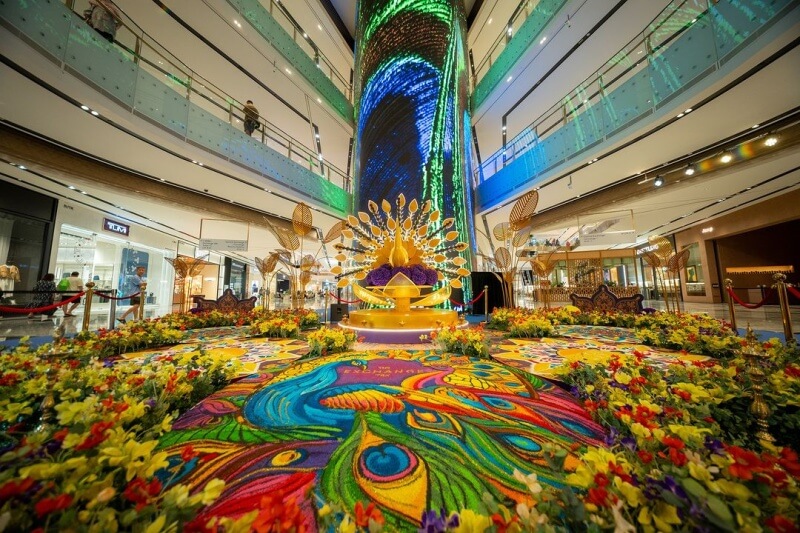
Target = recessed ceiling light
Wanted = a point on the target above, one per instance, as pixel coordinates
(85, 107)
(747, 189)
(84, 192)
(72, 187)
(659, 181)
(689, 170)
(754, 126)
(22, 167)
(508, 80)
(305, 35)
(727, 157)
(162, 179)
(772, 140)
(489, 21)
(95, 113)
(689, 110)
(288, 71)
(319, 26)
(201, 164)
(319, 100)
(679, 115)
(543, 39)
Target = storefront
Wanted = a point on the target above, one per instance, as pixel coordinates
(26, 233)
(107, 251)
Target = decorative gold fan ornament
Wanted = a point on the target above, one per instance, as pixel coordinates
(409, 237)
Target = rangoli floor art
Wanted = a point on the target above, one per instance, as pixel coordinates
(254, 353)
(407, 428)
(543, 356)
(409, 431)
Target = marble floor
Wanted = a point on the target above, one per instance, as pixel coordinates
(767, 318)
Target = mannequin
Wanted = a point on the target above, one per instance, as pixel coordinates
(9, 274)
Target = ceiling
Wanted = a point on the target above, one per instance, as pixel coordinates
(116, 136)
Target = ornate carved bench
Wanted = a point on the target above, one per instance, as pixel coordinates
(225, 303)
(603, 300)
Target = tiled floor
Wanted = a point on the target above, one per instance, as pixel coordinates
(767, 318)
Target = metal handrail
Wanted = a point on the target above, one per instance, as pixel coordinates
(565, 110)
(226, 105)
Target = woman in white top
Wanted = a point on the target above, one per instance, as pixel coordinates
(75, 286)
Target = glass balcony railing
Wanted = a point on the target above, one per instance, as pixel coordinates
(526, 8)
(686, 42)
(144, 77)
(301, 37)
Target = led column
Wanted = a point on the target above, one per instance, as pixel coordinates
(413, 123)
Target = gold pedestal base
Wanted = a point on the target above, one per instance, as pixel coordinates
(399, 320)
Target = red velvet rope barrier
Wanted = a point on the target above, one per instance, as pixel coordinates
(37, 310)
(106, 295)
(749, 306)
(343, 301)
(469, 302)
(793, 291)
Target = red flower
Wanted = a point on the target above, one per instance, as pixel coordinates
(792, 371)
(14, 488)
(46, 506)
(140, 492)
(9, 379)
(673, 442)
(501, 524)
(188, 453)
(363, 516)
(193, 374)
(598, 496)
(97, 434)
(686, 396)
(278, 514)
(61, 434)
(678, 458)
(645, 456)
(788, 460)
(745, 463)
(781, 524)
(601, 480)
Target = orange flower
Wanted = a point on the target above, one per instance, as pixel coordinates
(279, 515)
(363, 516)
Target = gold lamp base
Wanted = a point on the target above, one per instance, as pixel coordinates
(395, 319)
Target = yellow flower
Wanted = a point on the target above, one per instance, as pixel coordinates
(665, 516)
(730, 488)
(346, 525)
(212, 491)
(471, 522)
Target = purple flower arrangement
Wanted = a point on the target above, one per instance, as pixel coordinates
(419, 274)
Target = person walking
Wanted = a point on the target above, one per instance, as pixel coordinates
(104, 18)
(134, 288)
(75, 286)
(44, 294)
(250, 118)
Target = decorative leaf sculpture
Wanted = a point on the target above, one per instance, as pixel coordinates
(523, 210)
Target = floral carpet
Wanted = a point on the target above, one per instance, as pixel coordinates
(255, 354)
(409, 431)
(543, 356)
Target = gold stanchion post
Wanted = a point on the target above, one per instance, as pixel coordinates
(142, 300)
(87, 306)
(486, 302)
(327, 307)
(783, 299)
(728, 291)
(754, 355)
(45, 424)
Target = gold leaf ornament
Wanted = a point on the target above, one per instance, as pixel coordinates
(523, 210)
(302, 219)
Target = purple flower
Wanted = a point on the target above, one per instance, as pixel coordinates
(714, 445)
(611, 438)
(670, 485)
(380, 276)
(432, 277)
(437, 523)
(629, 442)
(404, 270)
(418, 275)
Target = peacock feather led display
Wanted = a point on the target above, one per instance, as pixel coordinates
(412, 104)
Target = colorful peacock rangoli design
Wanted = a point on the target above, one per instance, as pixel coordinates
(408, 431)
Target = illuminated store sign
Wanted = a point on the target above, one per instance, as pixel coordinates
(116, 227)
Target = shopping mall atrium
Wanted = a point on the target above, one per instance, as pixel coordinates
(363, 265)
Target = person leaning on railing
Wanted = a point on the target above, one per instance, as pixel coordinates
(104, 18)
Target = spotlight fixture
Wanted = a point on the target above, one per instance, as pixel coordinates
(727, 157)
(690, 170)
(659, 181)
(772, 140)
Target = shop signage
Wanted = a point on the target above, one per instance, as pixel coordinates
(608, 239)
(223, 245)
(116, 227)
